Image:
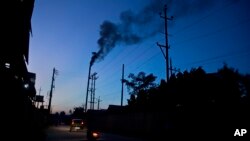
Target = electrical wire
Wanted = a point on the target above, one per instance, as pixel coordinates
(216, 58)
(216, 31)
(203, 18)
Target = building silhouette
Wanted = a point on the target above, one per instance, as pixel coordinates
(17, 83)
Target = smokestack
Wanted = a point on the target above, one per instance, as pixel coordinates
(87, 93)
(94, 57)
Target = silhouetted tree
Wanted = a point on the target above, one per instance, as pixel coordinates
(230, 84)
(56, 118)
(245, 89)
(70, 112)
(78, 112)
(62, 114)
(138, 87)
(62, 117)
(132, 100)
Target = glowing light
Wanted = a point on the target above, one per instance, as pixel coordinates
(26, 86)
(95, 134)
(7, 65)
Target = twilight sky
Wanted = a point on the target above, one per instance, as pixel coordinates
(203, 33)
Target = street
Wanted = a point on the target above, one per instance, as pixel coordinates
(61, 133)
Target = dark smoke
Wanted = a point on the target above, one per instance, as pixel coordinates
(132, 29)
(136, 27)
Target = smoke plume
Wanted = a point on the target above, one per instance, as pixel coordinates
(133, 27)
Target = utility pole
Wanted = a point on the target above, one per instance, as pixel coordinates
(98, 105)
(55, 72)
(122, 84)
(94, 79)
(173, 69)
(166, 46)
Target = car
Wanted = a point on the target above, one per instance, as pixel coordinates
(76, 124)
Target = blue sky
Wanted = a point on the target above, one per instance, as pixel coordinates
(204, 33)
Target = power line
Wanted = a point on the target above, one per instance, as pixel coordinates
(214, 59)
(216, 31)
(103, 71)
(112, 93)
(132, 49)
(108, 77)
(104, 67)
(145, 52)
(146, 61)
(131, 60)
(142, 54)
(203, 18)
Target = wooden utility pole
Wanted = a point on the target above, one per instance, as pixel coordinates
(171, 67)
(51, 88)
(166, 46)
(122, 84)
(98, 105)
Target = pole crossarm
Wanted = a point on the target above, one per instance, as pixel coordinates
(161, 46)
